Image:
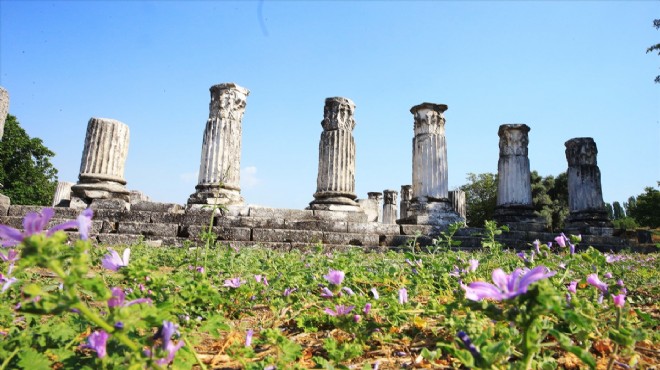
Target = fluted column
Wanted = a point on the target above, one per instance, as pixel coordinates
(220, 163)
(62, 196)
(514, 190)
(335, 183)
(585, 195)
(406, 196)
(430, 203)
(457, 199)
(4, 109)
(103, 162)
(389, 206)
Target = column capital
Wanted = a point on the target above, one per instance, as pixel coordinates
(338, 114)
(514, 139)
(581, 151)
(429, 118)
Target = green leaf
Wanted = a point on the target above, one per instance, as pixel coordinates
(30, 359)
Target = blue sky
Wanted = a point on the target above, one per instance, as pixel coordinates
(566, 69)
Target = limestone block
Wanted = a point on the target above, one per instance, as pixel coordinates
(277, 235)
(323, 225)
(155, 207)
(289, 214)
(5, 204)
(340, 216)
(252, 222)
(62, 195)
(374, 228)
(413, 229)
(138, 196)
(166, 217)
(21, 211)
(222, 232)
(119, 239)
(114, 204)
(138, 228)
(352, 239)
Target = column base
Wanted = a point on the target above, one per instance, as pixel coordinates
(438, 213)
(589, 222)
(520, 218)
(99, 190)
(335, 202)
(215, 195)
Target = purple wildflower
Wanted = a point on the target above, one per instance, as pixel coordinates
(118, 299)
(456, 272)
(375, 293)
(367, 308)
(35, 223)
(608, 275)
(326, 293)
(261, 279)
(619, 300)
(233, 283)
(572, 287)
(348, 290)
(339, 310)
(357, 318)
(595, 281)
(6, 282)
(403, 295)
(248, 338)
(97, 341)
(506, 286)
(334, 277)
(467, 342)
(113, 262)
(11, 256)
(288, 291)
(561, 240)
(472, 265)
(167, 331)
(537, 246)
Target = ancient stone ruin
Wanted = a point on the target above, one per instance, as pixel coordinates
(335, 218)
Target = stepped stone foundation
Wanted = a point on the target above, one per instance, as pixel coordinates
(335, 184)
(102, 166)
(389, 207)
(585, 195)
(220, 163)
(514, 190)
(430, 204)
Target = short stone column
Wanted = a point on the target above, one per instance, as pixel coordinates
(335, 184)
(406, 196)
(371, 206)
(430, 203)
(585, 195)
(102, 165)
(389, 206)
(514, 190)
(220, 163)
(4, 109)
(457, 199)
(62, 196)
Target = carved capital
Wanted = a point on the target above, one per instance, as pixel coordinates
(406, 192)
(390, 196)
(581, 151)
(228, 101)
(513, 139)
(429, 118)
(338, 114)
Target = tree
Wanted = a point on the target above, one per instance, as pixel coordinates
(610, 211)
(656, 47)
(480, 198)
(647, 209)
(619, 213)
(630, 205)
(26, 173)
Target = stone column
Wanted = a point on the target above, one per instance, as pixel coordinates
(457, 198)
(371, 206)
(102, 165)
(220, 164)
(389, 207)
(514, 190)
(585, 195)
(4, 109)
(62, 196)
(335, 184)
(430, 204)
(406, 196)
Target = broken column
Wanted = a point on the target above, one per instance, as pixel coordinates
(220, 164)
(514, 190)
(371, 206)
(585, 195)
(5, 202)
(457, 199)
(62, 196)
(430, 204)
(335, 184)
(102, 165)
(406, 196)
(389, 206)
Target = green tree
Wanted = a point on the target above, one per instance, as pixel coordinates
(610, 211)
(557, 190)
(26, 173)
(619, 213)
(647, 209)
(630, 204)
(656, 47)
(480, 198)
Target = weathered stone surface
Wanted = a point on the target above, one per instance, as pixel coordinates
(222, 232)
(113, 204)
(138, 228)
(258, 222)
(220, 163)
(350, 239)
(62, 196)
(289, 214)
(200, 216)
(406, 196)
(276, 235)
(156, 207)
(166, 217)
(138, 196)
(340, 216)
(21, 211)
(118, 239)
(373, 228)
(371, 206)
(322, 225)
(335, 184)
(103, 161)
(119, 215)
(389, 206)
(458, 202)
(414, 229)
(4, 109)
(5, 204)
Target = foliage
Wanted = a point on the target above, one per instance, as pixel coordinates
(646, 210)
(480, 198)
(26, 173)
(619, 213)
(656, 47)
(625, 223)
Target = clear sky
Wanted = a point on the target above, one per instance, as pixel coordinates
(566, 69)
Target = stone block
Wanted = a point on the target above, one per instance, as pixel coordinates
(67, 213)
(223, 233)
(13, 221)
(413, 229)
(140, 228)
(114, 204)
(289, 214)
(322, 225)
(374, 228)
(200, 216)
(167, 217)
(279, 235)
(5, 201)
(340, 216)
(156, 207)
(119, 239)
(352, 239)
(21, 211)
(252, 222)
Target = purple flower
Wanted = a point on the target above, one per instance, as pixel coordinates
(248, 338)
(118, 299)
(619, 300)
(11, 256)
(506, 286)
(113, 262)
(610, 258)
(472, 265)
(595, 281)
(456, 272)
(348, 290)
(357, 318)
(619, 282)
(339, 310)
(261, 279)
(35, 223)
(561, 240)
(375, 293)
(288, 291)
(6, 282)
(97, 341)
(326, 293)
(334, 277)
(572, 287)
(233, 283)
(608, 275)
(166, 332)
(467, 342)
(403, 295)
(537, 246)
(367, 308)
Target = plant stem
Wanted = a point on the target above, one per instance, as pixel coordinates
(192, 349)
(610, 364)
(6, 362)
